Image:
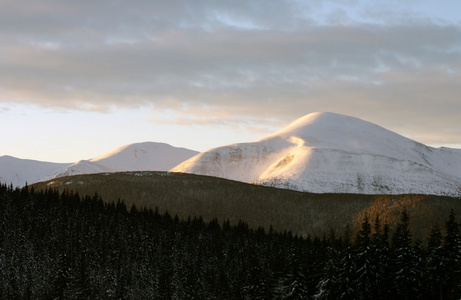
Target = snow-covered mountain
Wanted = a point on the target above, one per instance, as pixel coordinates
(148, 156)
(18, 171)
(332, 153)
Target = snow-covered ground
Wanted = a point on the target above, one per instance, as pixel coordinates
(148, 156)
(332, 153)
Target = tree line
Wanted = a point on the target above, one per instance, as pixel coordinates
(62, 246)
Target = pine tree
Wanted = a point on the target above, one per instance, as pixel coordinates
(364, 234)
(435, 270)
(347, 275)
(294, 284)
(405, 262)
(381, 254)
(316, 258)
(262, 284)
(371, 254)
(327, 286)
(364, 281)
(451, 259)
(62, 277)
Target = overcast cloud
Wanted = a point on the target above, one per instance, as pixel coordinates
(223, 62)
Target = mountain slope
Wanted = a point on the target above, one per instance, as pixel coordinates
(18, 171)
(302, 213)
(332, 153)
(148, 156)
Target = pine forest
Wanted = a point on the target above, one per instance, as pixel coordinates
(62, 246)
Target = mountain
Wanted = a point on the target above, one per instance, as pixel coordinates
(148, 156)
(18, 171)
(333, 153)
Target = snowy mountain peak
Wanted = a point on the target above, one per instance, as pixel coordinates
(326, 121)
(133, 150)
(328, 152)
(147, 156)
(335, 131)
(326, 127)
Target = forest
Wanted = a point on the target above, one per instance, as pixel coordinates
(58, 245)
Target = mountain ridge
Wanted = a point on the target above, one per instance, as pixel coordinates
(333, 153)
(18, 171)
(145, 156)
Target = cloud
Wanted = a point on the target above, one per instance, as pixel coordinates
(221, 62)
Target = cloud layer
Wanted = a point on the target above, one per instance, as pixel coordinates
(221, 62)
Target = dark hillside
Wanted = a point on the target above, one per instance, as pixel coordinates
(62, 246)
(302, 213)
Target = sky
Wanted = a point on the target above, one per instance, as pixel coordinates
(79, 78)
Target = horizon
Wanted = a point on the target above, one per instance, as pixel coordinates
(143, 142)
(81, 79)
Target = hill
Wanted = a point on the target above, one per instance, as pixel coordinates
(332, 153)
(300, 212)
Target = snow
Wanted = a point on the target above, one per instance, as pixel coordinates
(148, 156)
(333, 153)
(18, 171)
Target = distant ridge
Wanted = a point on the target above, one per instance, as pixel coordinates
(147, 156)
(333, 153)
(18, 171)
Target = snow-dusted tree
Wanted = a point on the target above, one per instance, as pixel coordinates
(262, 285)
(435, 270)
(364, 261)
(381, 252)
(371, 256)
(293, 285)
(451, 258)
(78, 282)
(327, 286)
(62, 277)
(345, 287)
(405, 263)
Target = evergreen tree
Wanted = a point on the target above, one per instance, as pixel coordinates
(364, 234)
(347, 274)
(435, 270)
(62, 277)
(60, 246)
(382, 260)
(364, 281)
(294, 284)
(315, 259)
(371, 261)
(451, 258)
(327, 286)
(405, 262)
